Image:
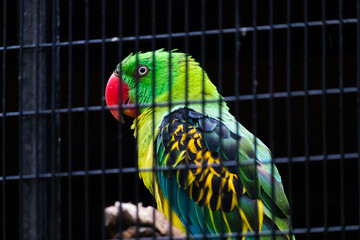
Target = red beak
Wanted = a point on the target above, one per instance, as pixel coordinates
(114, 99)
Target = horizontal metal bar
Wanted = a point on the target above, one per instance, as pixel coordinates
(248, 97)
(347, 228)
(296, 231)
(110, 171)
(189, 34)
(314, 92)
(314, 158)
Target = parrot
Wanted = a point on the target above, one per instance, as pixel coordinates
(208, 173)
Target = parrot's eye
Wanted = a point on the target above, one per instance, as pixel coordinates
(116, 72)
(141, 71)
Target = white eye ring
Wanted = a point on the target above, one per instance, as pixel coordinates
(143, 70)
(116, 73)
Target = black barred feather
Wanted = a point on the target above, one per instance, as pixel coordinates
(197, 147)
(184, 134)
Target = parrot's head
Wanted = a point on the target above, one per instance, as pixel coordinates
(145, 77)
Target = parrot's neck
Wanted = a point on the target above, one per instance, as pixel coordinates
(145, 131)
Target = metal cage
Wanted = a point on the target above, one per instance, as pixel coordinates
(289, 70)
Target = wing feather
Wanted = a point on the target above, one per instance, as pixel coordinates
(208, 194)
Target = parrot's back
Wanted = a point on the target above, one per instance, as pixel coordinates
(208, 184)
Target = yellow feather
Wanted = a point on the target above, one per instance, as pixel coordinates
(190, 191)
(214, 172)
(226, 222)
(145, 166)
(197, 135)
(261, 213)
(199, 155)
(212, 219)
(198, 169)
(218, 205)
(183, 137)
(207, 155)
(164, 207)
(179, 158)
(201, 195)
(191, 178)
(208, 180)
(192, 131)
(223, 182)
(244, 219)
(203, 174)
(210, 191)
(175, 145)
(191, 146)
(244, 231)
(198, 141)
(261, 216)
(230, 183)
(178, 129)
(233, 201)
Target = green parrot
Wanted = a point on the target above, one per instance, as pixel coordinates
(213, 178)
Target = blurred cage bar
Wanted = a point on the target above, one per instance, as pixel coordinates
(289, 70)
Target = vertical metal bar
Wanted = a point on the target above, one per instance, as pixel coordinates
(153, 48)
(169, 48)
(120, 127)
(237, 93)
(324, 125)
(288, 104)
(306, 124)
(203, 54)
(220, 85)
(38, 154)
(137, 189)
(271, 77)
(170, 92)
(3, 139)
(186, 30)
(203, 42)
(341, 123)
(254, 88)
(186, 38)
(55, 125)
(271, 108)
(33, 141)
(220, 53)
(102, 116)
(86, 121)
(20, 120)
(52, 125)
(358, 100)
(70, 182)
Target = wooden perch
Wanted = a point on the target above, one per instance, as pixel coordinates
(149, 224)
